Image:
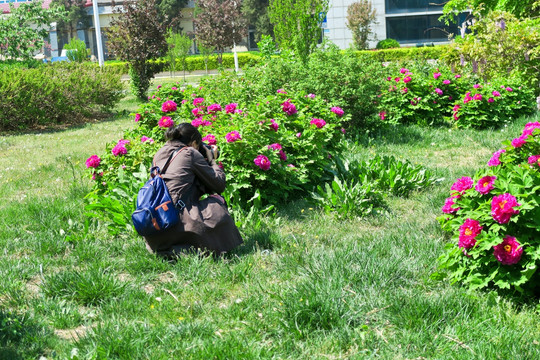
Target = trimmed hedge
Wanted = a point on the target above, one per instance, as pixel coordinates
(55, 93)
(196, 62)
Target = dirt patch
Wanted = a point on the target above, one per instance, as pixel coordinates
(125, 277)
(166, 277)
(72, 334)
(34, 285)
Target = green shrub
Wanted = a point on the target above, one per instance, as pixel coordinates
(55, 93)
(295, 147)
(493, 104)
(388, 44)
(15, 64)
(406, 54)
(494, 219)
(77, 50)
(342, 78)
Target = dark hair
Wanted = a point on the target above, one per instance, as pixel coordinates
(185, 132)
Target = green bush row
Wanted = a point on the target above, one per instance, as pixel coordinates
(55, 93)
(196, 62)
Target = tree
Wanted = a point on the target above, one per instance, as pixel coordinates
(170, 12)
(206, 52)
(297, 24)
(138, 36)
(22, 32)
(76, 13)
(360, 16)
(179, 46)
(256, 14)
(219, 24)
(519, 8)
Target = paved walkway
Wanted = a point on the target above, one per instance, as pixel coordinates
(180, 74)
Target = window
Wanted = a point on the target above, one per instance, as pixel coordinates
(408, 6)
(424, 28)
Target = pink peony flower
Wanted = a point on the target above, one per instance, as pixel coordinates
(147, 139)
(210, 139)
(530, 127)
(275, 147)
(477, 97)
(281, 91)
(490, 100)
(282, 155)
(183, 102)
(206, 123)
(229, 109)
(168, 106)
(311, 96)
(535, 159)
(502, 207)
(495, 93)
(436, 75)
(165, 122)
(462, 184)
(457, 76)
(343, 130)
(220, 164)
(467, 99)
(485, 184)
(520, 141)
(446, 82)
(407, 79)
(262, 162)
(494, 161)
(93, 161)
(274, 125)
(289, 108)
(159, 87)
(456, 108)
(337, 110)
(137, 117)
(319, 123)
(397, 79)
(438, 91)
(448, 205)
(298, 135)
(382, 115)
(198, 101)
(197, 122)
(509, 89)
(476, 86)
(214, 108)
(509, 251)
(403, 70)
(468, 232)
(119, 149)
(233, 136)
(174, 88)
(197, 112)
(404, 90)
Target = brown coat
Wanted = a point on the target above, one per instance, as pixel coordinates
(204, 224)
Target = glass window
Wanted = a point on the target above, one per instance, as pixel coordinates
(405, 6)
(419, 29)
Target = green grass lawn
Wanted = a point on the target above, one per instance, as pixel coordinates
(304, 286)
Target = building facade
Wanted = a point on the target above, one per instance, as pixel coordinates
(410, 22)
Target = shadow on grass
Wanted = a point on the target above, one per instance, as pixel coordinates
(20, 337)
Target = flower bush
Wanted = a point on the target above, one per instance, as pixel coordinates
(440, 96)
(278, 146)
(494, 219)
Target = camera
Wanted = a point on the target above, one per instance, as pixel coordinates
(202, 150)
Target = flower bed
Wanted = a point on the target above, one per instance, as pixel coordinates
(444, 97)
(277, 147)
(494, 219)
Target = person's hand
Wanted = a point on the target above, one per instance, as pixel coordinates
(215, 151)
(209, 153)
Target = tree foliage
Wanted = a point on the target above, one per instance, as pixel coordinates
(256, 14)
(519, 8)
(76, 12)
(23, 31)
(219, 24)
(297, 24)
(170, 12)
(138, 36)
(179, 46)
(360, 17)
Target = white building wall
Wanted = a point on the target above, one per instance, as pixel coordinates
(337, 30)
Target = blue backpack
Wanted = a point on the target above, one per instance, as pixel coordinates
(155, 209)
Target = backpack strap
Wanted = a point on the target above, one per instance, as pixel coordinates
(155, 169)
